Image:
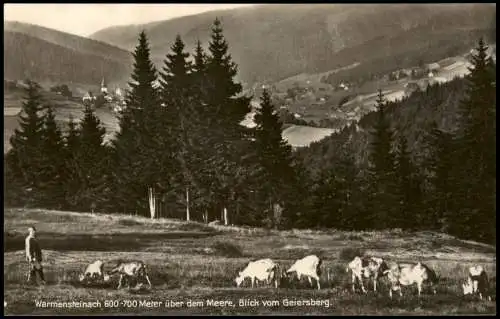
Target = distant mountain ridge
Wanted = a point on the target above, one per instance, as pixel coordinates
(45, 54)
(272, 42)
(26, 56)
(70, 41)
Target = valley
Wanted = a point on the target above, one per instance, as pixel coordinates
(322, 72)
(322, 107)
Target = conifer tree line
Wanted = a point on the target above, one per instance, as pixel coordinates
(182, 153)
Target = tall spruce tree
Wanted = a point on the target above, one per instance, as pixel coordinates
(227, 137)
(23, 160)
(381, 171)
(140, 146)
(273, 154)
(476, 150)
(182, 119)
(221, 71)
(203, 137)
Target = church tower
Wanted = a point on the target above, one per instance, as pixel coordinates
(104, 89)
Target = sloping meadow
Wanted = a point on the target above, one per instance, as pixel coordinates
(193, 260)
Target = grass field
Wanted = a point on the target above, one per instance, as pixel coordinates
(192, 262)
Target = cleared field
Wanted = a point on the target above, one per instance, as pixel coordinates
(195, 262)
(300, 135)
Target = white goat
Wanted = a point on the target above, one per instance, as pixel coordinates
(477, 282)
(408, 274)
(130, 269)
(94, 271)
(260, 270)
(371, 267)
(308, 266)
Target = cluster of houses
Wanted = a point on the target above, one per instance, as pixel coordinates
(429, 71)
(115, 99)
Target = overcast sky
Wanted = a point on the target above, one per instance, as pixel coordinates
(85, 19)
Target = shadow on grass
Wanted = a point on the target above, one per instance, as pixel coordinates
(99, 242)
(111, 285)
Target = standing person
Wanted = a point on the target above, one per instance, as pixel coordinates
(34, 256)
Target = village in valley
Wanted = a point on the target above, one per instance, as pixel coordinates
(113, 99)
(311, 106)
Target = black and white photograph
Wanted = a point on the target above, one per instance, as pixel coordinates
(249, 159)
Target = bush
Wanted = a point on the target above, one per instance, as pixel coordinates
(349, 253)
(227, 249)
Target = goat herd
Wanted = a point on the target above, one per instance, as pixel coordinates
(269, 272)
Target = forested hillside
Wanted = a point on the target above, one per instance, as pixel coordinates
(272, 42)
(70, 41)
(404, 50)
(30, 57)
(410, 118)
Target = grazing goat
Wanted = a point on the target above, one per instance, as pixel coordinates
(477, 282)
(94, 271)
(130, 269)
(371, 267)
(308, 266)
(261, 270)
(406, 274)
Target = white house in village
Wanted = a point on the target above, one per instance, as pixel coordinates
(433, 69)
(344, 86)
(118, 92)
(88, 97)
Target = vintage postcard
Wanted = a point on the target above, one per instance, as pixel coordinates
(249, 159)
